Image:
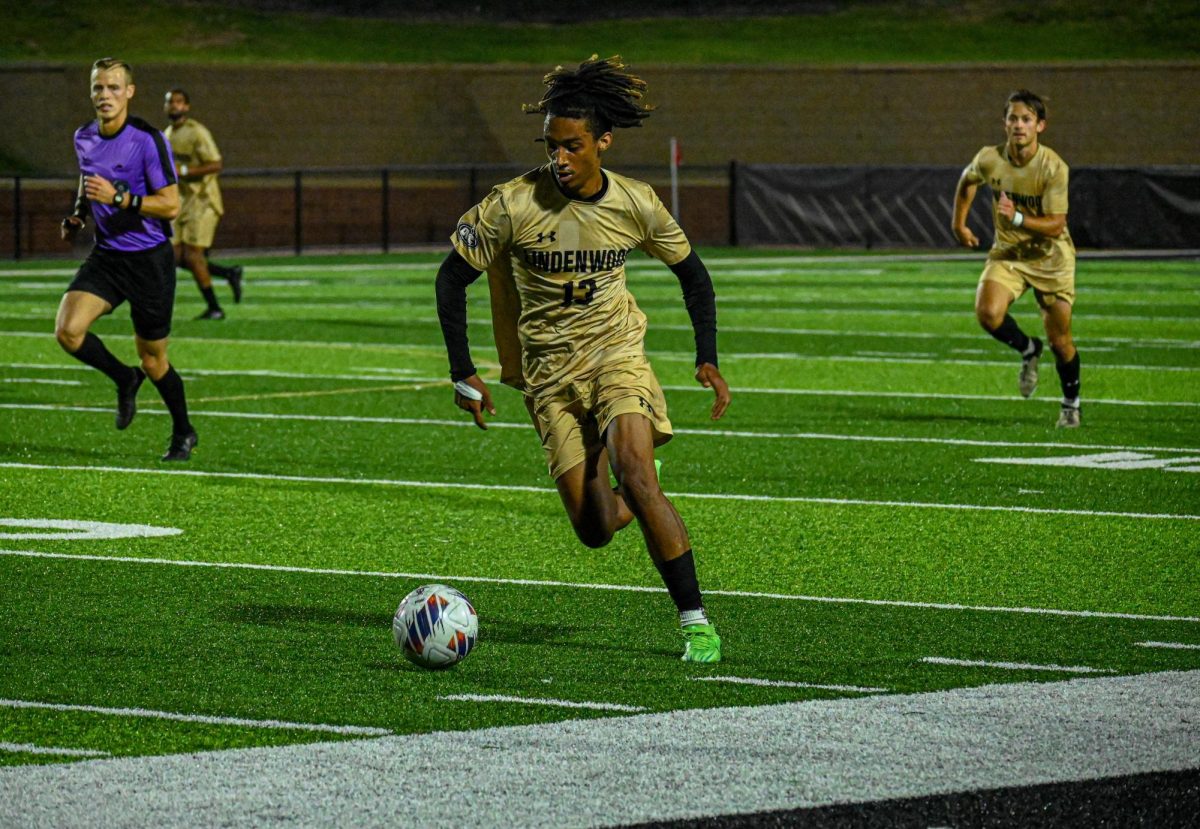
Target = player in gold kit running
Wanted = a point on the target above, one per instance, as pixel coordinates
(1032, 249)
(570, 335)
(198, 161)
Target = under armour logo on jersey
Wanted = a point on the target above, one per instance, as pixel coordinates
(543, 237)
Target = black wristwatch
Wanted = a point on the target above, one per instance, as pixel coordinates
(118, 199)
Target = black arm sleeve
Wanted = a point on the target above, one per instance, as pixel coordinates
(701, 302)
(453, 277)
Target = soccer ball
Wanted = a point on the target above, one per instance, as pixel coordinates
(435, 626)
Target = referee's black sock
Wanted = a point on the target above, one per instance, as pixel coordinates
(1009, 333)
(210, 297)
(679, 575)
(170, 388)
(94, 353)
(1068, 377)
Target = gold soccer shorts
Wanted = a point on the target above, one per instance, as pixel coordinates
(573, 419)
(1049, 285)
(196, 226)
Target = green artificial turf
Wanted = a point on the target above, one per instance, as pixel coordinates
(845, 524)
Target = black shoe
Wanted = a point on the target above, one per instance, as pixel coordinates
(212, 314)
(127, 399)
(181, 447)
(235, 282)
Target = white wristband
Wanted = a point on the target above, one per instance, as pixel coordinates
(1018, 219)
(468, 391)
(182, 169)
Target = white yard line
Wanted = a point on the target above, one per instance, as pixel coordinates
(701, 496)
(404, 385)
(378, 375)
(1179, 646)
(908, 335)
(778, 683)
(809, 359)
(41, 381)
(558, 703)
(716, 433)
(624, 588)
(56, 751)
(359, 730)
(408, 377)
(1001, 398)
(1014, 666)
(660, 355)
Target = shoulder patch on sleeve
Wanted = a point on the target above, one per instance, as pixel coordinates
(466, 235)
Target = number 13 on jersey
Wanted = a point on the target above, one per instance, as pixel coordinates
(582, 296)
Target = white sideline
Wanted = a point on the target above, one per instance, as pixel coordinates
(359, 730)
(1182, 646)
(627, 588)
(32, 748)
(1014, 666)
(464, 422)
(558, 703)
(623, 770)
(700, 496)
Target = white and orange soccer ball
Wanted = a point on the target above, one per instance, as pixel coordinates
(435, 626)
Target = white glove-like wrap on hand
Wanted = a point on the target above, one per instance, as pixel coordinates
(468, 391)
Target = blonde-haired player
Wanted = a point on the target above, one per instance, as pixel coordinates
(570, 335)
(1032, 248)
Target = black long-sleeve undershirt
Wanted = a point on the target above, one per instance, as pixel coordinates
(701, 302)
(453, 277)
(455, 274)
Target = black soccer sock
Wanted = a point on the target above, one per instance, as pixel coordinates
(210, 297)
(94, 353)
(1009, 333)
(170, 388)
(1068, 376)
(223, 271)
(679, 575)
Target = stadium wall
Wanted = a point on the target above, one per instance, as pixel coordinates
(1127, 113)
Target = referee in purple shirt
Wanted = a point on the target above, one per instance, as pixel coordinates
(127, 186)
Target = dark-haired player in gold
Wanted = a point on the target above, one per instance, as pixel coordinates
(198, 161)
(1032, 249)
(569, 333)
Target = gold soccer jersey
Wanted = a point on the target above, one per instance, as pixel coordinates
(1038, 188)
(564, 259)
(192, 144)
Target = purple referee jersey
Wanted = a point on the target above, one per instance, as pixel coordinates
(138, 160)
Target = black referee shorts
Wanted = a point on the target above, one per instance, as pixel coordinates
(146, 278)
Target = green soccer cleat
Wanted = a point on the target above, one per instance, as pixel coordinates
(612, 479)
(701, 644)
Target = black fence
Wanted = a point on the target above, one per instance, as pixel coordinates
(891, 207)
(737, 204)
(324, 207)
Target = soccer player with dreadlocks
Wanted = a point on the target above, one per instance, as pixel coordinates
(570, 336)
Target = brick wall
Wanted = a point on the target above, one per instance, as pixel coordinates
(304, 116)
